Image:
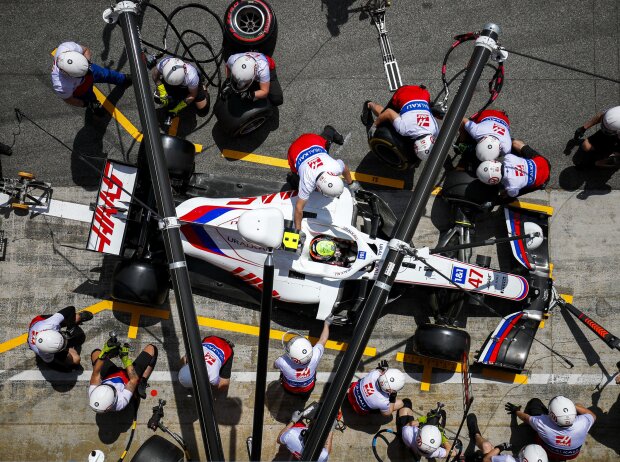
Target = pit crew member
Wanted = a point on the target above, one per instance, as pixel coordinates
(73, 76)
(490, 453)
(292, 436)
(490, 130)
(218, 354)
(178, 86)
(377, 391)
(298, 366)
(517, 174)
(409, 112)
(560, 429)
(111, 387)
(253, 75)
(54, 346)
(604, 144)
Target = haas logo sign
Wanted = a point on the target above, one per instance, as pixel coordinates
(562, 440)
(302, 373)
(424, 120)
(369, 389)
(499, 129)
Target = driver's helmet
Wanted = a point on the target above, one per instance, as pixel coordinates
(322, 248)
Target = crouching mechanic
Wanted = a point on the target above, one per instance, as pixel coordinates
(218, 354)
(308, 158)
(292, 436)
(73, 75)
(605, 143)
(53, 346)
(490, 453)
(517, 174)
(111, 388)
(253, 76)
(490, 130)
(298, 366)
(409, 112)
(178, 86)
(560, 429)
(377, 391)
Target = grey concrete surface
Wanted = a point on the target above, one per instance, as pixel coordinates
(328, 63)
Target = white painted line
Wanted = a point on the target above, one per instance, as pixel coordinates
(68, 210)
(346, 139)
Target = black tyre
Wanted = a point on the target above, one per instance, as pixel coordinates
(249, 23)
(158, 449)
(392, 148)
(239, 118)
(441, 342)
(464, 187)
(140, 282)
(180, 157)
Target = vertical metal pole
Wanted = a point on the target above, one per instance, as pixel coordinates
(263, 353)
(371, 311)
(172, 236)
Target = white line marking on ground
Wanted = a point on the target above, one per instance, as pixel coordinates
(346, 139)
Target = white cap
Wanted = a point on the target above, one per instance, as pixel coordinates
(488, 148)
(429, 439)
(562, 411)
(392, 380)
(243, 73)
(330, 185)
(533, 453)
(174, 71)
(103, 398)
(489, 172)
(73, 63)
(299, 349)
(50, 341)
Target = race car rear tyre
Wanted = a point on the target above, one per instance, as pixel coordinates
(441, 342)
(140, 282)
(249, 23)
(392, 148)
(180, 157)
(158, 449)
(239, 117)
(463, 186)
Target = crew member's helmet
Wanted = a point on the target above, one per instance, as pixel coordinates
(329, 185)
(73, 63)
(392, 380)
(487, 148)
(243, 73)
(423, 146)
(562, 411)
(185, 377)
(533, 453)
(50, 341)
(103, 398)
(611, 121)
(489, 172)
(429, 439)
(174, 71)
(299, 349)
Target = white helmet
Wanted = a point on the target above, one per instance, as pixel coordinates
(423, 146)
(50, 341)
(243, 73)
(299, 349)
(533, 453)
(487, 148)
(185, 377)
(489, 172)
(611, 121)
(392, 380)
(329, 185)
(429, 439)
(103, 398)
(174, 71)
(562, 411)
(73, 63)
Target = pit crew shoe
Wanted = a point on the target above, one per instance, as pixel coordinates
(142, 386)
(472, 426)
(86, 316)
(366, 116)
(331, 134)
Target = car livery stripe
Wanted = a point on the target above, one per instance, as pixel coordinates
(498, 339)
(205, 213)
(518, 246)
(199, 238)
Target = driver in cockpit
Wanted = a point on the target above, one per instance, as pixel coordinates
(325, 249)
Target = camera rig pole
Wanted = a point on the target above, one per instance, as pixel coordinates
(371, 311)
(126, 13)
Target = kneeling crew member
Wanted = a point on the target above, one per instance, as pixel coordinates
(246, 68)
(219, 354)
(491, 132)
(518, 175)
(111, 388)
(298, 366)
(292, 436)
(377, 391)
(49, 343)
(561, 429)
(606, 141)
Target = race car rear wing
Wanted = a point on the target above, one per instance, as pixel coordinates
(108, 226)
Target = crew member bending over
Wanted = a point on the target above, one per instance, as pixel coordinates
(490, 130)
(246, 69)
(377, 391)
(219, 354)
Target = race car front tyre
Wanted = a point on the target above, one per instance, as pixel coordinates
(158, 449)
(249, 23)
(441, 342)
(392, 148)
(140, 282)
(239, 117)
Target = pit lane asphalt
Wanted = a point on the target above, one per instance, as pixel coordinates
(328, 63)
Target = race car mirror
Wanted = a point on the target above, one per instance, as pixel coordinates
(263, 227)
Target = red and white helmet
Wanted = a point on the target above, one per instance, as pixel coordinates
(533, 453)
(489, 172)
(562, 411)
(611, 121)
(243, 73)
(73, 63)
(329, 185)
(299, 349)
(103, 398)
(174, 71)
(392, 381)
(488, 148)
(50, 341)
(423, 146)
(428, 439)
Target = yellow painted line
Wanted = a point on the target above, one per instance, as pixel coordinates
(534, 207)
(567, 298)
(551, 270)
(273, 334)
(365, 178)
(504, 376)
(133, 325)
(14, 342)
(118, 116)
(427, 377)
(436, 191)
(431, 362)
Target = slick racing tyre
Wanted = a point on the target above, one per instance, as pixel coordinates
(179, 155)
(461, 186)
(441, 342)
(140, 282)
(240, 117)
(158, 449)
(249, 23)
(392, 148)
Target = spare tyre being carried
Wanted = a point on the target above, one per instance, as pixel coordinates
(249, 23)
(395, 150)
(239, 117)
